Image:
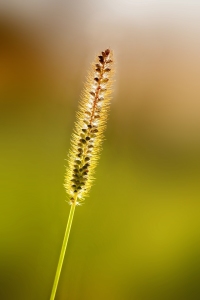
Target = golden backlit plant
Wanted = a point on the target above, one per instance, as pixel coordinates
(87, 140)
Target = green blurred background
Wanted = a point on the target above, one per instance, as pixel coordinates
(137, 237)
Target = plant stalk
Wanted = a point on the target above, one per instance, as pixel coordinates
(63, 249)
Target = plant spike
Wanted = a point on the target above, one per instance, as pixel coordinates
(89, 127)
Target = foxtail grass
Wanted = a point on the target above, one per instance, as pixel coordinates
(86, 141)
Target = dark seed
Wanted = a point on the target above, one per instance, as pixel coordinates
(96, 79)
(75, 191)
(87, 112)
(78, 161)
(73, 185)
(101, 98)
(79, 188)
(94, 130)
(87, 138)
(97, 65)
(98, 69)
(84, 130)
(90, 146)
(89, 126)
(75, 170)
(80, 150)
(107, 70)
(85, 173)
(87, 158)
(92, 93)
(83, 141)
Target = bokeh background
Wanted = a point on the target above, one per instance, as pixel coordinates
(137, 237)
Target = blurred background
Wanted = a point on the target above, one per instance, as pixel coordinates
(137, 237)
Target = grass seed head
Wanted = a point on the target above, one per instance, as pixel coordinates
(89, 128)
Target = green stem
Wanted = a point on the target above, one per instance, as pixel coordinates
(63, 249)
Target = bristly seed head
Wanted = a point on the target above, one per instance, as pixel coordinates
(89, 127)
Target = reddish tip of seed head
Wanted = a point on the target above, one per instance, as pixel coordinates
(107, 51)
(103, 53)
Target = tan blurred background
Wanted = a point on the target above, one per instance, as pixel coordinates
(137, 237)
